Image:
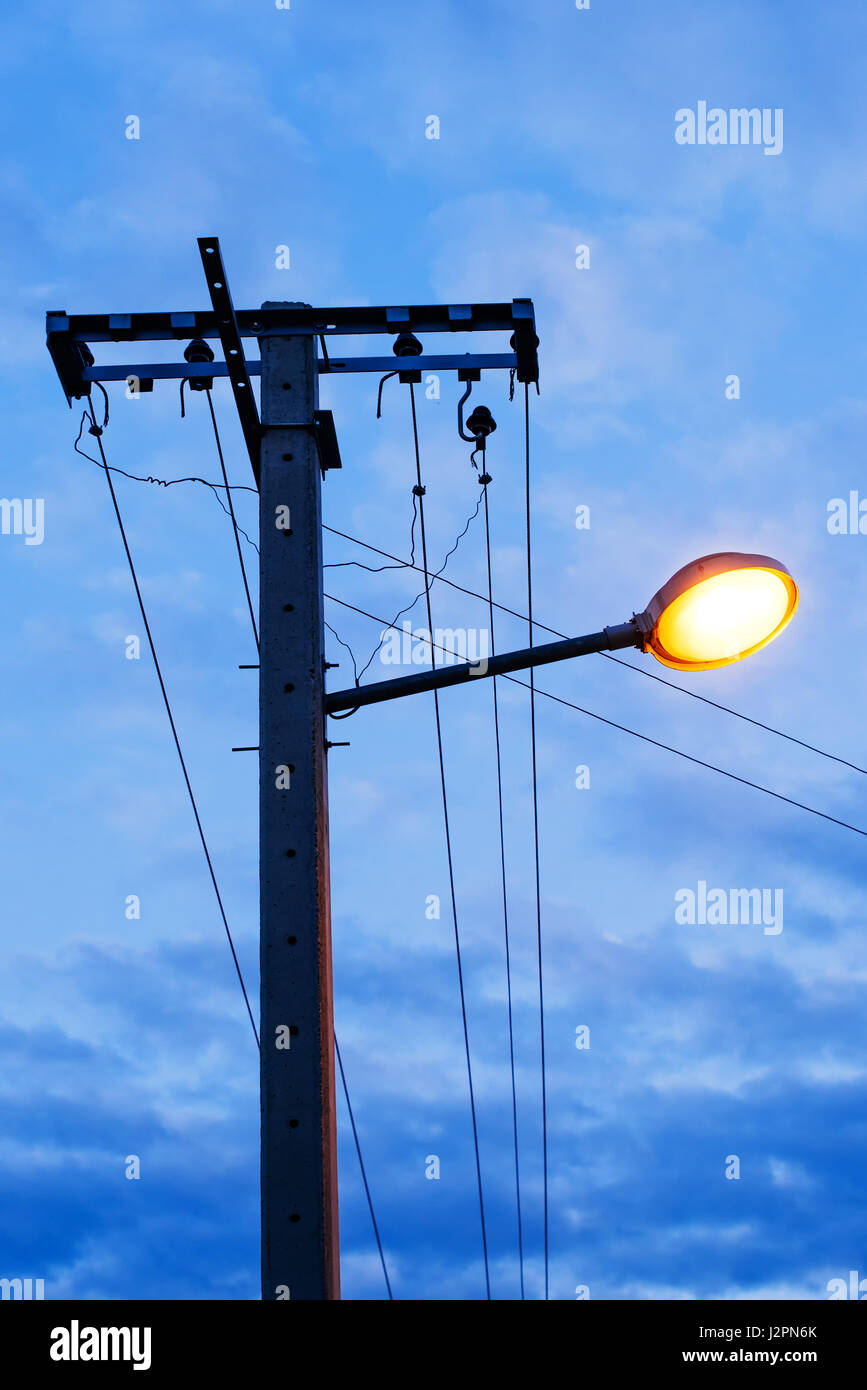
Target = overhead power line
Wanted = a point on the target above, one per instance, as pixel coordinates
(532, 689)
(745, 781)
(667, 747)
(420, 494)
(96, 431)
(363, 1169)
(471, 593)
(234, 521)
(618, 661)
(505, 893)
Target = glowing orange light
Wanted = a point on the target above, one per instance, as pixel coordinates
(719, 609)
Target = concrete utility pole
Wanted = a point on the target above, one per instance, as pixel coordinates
(290, 449)
(299, 1128)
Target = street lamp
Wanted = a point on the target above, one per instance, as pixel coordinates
(714, 611)
(719, 609)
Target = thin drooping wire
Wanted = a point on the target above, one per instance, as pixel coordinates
(409, 607)
(420, 495)
(338, 638)
(232, 515)
(421, 594)
(363, 1170)
(649, 675)
(505, 894)
(378, 569)
(532, 688)
(645, 738)
(216, 488)
(97, 432)
(372, 569)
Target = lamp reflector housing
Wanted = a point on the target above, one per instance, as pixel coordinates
(718, 610)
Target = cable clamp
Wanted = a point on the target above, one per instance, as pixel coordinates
(419, 491)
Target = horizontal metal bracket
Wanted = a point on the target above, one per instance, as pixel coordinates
(70, 336)
(517, 317)
(168, 371)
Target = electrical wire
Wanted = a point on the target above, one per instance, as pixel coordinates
(745, 781)
(425, 591)
(168, 482)
(667, 747)
(234, 521)
(97, 432)
(505, 893)
(532, 689)
(401, 564)
(378, 569)
(336, 635)
(627, 665)
(471, 593)
(420, 495)
(373, 569)
(362, 1167)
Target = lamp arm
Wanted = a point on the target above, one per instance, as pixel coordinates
(615, 638)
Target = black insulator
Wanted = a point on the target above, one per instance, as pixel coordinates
(407, 345)
(198, 351)
(481, 423)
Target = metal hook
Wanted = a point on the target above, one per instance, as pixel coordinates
(470, 438)
(379, 394)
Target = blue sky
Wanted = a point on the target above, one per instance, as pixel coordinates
(306, 127)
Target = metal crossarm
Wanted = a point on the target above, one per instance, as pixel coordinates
(236, 366)
(70, 338)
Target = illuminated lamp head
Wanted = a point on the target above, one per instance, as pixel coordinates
(718, 610)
